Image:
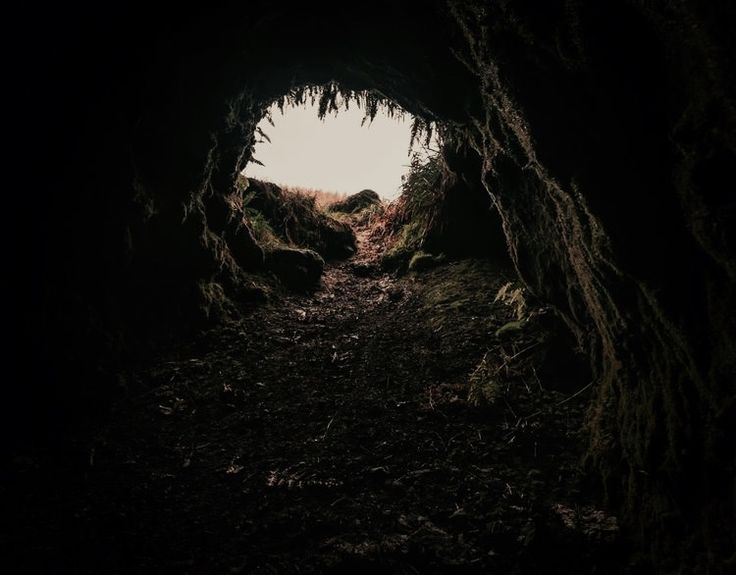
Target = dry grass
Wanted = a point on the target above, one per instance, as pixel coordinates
(322, 198)
(402, 225)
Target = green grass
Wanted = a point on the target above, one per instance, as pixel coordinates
(421, 195)
(422, 261)
(264, 234)
(288, 217)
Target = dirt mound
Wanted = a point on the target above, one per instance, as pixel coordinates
(357, 202)
(297, 221)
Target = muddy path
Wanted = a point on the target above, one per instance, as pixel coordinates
(323, 433)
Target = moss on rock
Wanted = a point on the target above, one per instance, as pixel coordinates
(293, 219)
(422, 261)
(356, 203)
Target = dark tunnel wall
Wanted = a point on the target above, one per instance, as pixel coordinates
(607, 134)
(595, 158)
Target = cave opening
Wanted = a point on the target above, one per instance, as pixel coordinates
(531, 370)
(340, 153)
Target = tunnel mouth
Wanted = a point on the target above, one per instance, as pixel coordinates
(344, 107)
(448, 212)
(332, 139)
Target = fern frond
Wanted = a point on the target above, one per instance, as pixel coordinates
(263, 134)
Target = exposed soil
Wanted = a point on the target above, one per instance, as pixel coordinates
(324, 433)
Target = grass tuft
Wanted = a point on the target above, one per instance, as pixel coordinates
(405, 223)
(291, 217)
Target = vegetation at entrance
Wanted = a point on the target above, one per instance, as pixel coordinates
(291, 217)
(323, 198)
(413, 214)
(333, 97)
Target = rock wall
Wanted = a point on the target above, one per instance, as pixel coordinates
(597, 131)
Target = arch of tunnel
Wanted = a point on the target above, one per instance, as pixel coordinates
(603, 133)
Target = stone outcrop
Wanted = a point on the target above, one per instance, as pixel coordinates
(297, 220)
(299, 269)
(356, 202)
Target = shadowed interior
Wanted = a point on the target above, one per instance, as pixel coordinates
(602, 132)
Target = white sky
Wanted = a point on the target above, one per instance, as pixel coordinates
(335, 154)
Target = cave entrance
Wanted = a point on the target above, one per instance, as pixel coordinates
(390, 411)
(332, 171)
(339, 154)
(413, 375)
(333, 143)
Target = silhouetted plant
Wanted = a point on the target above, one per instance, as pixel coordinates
(332, 97)
(414, 212)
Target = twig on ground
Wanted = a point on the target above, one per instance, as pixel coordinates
(328, 427)
(574, 395)
(539, 382)
(511, 409)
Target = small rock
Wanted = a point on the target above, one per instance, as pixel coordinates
(357, 202)
(395, 293)
(362, 270)
(339, 239)
(296, 268)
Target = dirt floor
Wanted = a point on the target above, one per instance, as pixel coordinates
(325, 433)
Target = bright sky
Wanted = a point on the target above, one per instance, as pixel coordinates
(335, 154)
